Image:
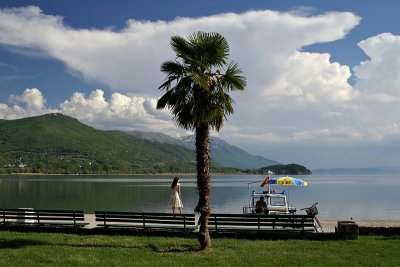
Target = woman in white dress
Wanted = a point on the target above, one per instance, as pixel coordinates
(175, 199)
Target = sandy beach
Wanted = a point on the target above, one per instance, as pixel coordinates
(329, 225)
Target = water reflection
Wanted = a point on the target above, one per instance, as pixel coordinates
(339, 197)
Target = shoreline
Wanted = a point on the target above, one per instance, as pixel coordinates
(97, 174)
(330, 224)
(119, 174)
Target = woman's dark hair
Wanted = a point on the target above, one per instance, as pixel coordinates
(174, 182)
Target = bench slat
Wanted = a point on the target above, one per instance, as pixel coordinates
(39, 218)
(261, 222)
(145, 220)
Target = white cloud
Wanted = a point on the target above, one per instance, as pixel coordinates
(378, 80)
(86, 108)
(130, 59)
(266, 44)
(292, 97)
(30, 103)
(380, 76)
(311, 77)
(32, 98)
(121, 112)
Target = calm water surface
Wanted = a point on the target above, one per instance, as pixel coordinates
(339, 196)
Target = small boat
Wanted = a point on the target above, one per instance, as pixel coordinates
(276, 203)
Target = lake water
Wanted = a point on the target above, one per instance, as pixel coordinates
(371, 197)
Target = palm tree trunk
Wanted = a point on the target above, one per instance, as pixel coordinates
(203, 183)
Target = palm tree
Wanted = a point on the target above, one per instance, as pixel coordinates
(197, 95)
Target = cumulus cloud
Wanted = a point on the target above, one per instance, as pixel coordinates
(30, 103)
(266, 44)
(129, 59)
(379, 76)
(121, 112)
(32, 98)
(310, 78)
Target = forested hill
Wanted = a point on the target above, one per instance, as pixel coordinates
(289, 169)
(55, 143)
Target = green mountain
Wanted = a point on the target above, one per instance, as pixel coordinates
(56, 143)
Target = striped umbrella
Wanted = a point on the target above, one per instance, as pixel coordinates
(286, 180)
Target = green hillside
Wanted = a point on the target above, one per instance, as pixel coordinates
(55, 143)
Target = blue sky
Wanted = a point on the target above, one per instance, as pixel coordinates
(323, 76)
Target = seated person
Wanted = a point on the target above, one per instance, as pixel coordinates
(261, 206)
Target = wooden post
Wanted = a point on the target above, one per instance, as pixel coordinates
(347, 230)
(37, 216)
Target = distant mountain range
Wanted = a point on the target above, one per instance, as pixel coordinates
(225, 154)
(55, 143)
(372, 170)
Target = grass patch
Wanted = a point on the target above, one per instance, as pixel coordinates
(44, 249)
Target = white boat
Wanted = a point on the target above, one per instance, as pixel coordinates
(276, 203)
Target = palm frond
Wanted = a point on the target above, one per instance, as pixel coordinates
(172, 67)
(233, 78)
(212, 48)
(196, 85)
(166, 100)
(181, 47)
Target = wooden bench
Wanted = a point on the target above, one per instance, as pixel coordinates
(40, 218)
(261, 222)
(141, 220)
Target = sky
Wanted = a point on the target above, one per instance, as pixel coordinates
(323, 77)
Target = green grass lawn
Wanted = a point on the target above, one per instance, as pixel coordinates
(43, 249)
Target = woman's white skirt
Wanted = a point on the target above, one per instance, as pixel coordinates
(175, 200)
